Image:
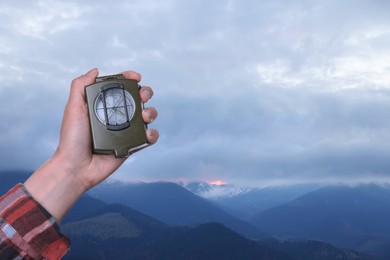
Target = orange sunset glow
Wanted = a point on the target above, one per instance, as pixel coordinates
(217, 182)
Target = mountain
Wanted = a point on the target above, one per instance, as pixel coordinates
(100, 230)
(309, 249)
(210, 191)
(351, 217)
(243, 203)
(113, 236)
(113, 226)
(246, 204)
(112, 217)
(8, 179)
(172, 204)
(213, 241)
(118, 232)
(84, 207)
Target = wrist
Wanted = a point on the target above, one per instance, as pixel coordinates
(54, 186)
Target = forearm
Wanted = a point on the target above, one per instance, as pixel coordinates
(55, 188)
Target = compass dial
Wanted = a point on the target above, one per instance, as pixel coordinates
(115, 107)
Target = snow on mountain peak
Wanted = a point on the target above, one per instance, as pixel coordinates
(213, 190)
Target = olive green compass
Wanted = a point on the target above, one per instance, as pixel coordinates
(115, 114)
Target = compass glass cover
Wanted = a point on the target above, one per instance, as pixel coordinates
(114, 107)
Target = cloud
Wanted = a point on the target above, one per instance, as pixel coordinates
(249, 91)
(305, 136)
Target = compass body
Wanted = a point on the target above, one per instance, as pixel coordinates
(115, 113)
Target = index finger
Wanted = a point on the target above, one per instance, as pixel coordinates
(129, 74)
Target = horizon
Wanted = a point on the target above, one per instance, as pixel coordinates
(222, 183)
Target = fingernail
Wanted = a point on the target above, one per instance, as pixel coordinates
(149, 114)
(146, 94)
(150, 134)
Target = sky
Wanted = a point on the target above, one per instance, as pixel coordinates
(248, 92)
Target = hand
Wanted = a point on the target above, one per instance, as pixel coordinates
(75, 138)
(74, 169)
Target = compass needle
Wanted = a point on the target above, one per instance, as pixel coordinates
(115, 106)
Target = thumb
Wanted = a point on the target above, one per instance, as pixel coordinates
(78, 85)
(92, 73)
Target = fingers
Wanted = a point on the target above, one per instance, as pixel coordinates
(129, 74)
(146, 93)
(152, 135)
(149, 114)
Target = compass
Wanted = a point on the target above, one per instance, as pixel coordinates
(115, 107)
(115, 114)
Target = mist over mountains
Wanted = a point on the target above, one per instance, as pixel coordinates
(245, 202)
(174, 220)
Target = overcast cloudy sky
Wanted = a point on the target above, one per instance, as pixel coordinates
(248, 91)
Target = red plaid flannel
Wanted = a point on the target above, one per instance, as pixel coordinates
(27, 230)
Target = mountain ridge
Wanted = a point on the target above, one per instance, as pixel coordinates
(352, 217)
(174, 205)
(363, 233)
(119, 232)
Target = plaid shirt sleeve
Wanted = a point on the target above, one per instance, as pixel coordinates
(27, 230)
